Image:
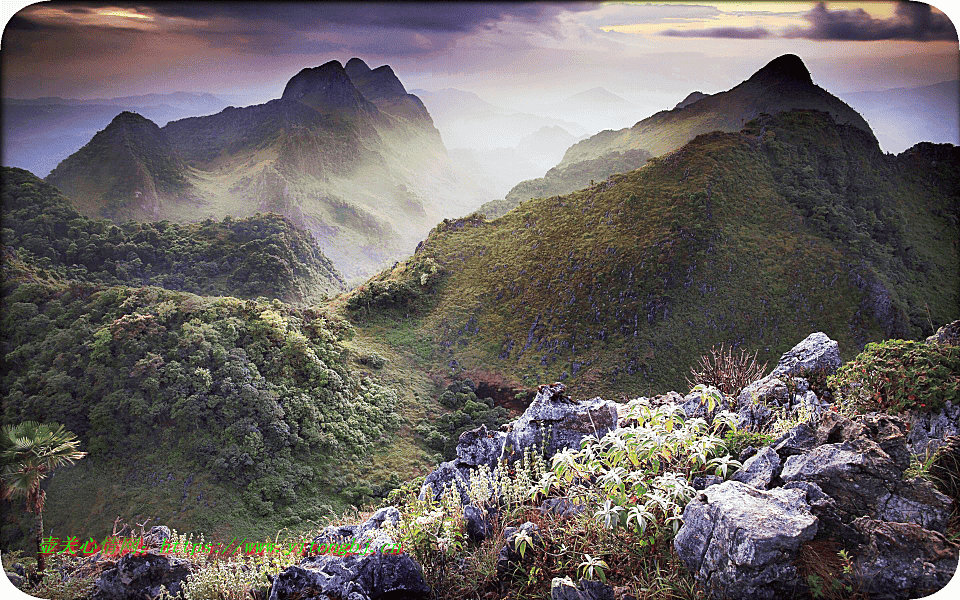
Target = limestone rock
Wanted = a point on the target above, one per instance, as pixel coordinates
(376, 574)
(760, 470)
(902, 560)
(142, 576)
(555, 423)
(949, 334)
(585, 589)
(739, 541)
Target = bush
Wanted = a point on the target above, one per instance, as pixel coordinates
(727, 372)
(899, 375)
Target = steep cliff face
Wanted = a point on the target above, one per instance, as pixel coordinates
(344, 152)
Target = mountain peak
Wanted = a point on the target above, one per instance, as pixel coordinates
(786, 68)
(356, 66)
(377, 84)
(325, 87)
(130, 118)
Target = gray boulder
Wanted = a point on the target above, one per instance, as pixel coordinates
(928, 430)
(864, 480)
(815, 354)
(901, 560)
(797, 440)
(366, 577)
(739, 542)
(363, 576)
(142, 576)
(553, 422)
(585, 589)
(949, 334)
(760, 470)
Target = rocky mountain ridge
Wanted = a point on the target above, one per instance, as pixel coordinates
(784, 84)
(368, 176)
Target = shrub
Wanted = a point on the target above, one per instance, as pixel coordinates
(725, 371)
(898, 375)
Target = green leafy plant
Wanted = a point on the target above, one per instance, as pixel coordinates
(593, 568)
(898, 375)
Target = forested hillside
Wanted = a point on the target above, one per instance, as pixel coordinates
(210, 411)
(795, 224)
(262, 255)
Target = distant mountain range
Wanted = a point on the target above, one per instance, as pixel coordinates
(783, 84)
(345, 152)
(894, 113)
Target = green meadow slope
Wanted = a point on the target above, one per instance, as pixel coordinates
(795, 224)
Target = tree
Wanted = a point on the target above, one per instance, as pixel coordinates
(30, 451)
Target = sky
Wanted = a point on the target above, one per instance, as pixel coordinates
(513, 53)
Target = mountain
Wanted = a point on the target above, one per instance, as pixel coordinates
(193, 363)
(893, 114)
(39, 133)
(796, 223)
(783, 84)
(690, 99)
(259, 256)
(127, 171)
(358, 164)
(594, 96)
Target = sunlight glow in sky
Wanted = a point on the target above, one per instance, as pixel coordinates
(526, 52)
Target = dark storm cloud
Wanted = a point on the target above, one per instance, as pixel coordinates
(737, 33)
(912, 21)
(420, 16)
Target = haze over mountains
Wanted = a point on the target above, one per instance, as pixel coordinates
(760, 214)
(783, 84)
(345, 153)
(39, 133)
(893, 113)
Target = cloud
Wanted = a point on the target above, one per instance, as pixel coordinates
(420, 16)
(912, 21)
(738, 33)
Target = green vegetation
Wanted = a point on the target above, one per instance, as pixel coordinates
(469, 412)
(612, 289)
(894, 376)
(257, 395)
(29, 452)
(263, 255)
(627, 490)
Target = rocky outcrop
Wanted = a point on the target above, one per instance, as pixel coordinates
(845, 483)
(736, 537)
(369, 576)
(551, 423)
(137, 576)
(949, 334)
(554, 422)
(900, 560)
(816, 355)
